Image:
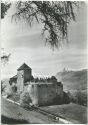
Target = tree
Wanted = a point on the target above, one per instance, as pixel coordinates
(5, 57)
(66, 98)
(53, 79)
(25, 99)
(54, 15)
(14, 88)
(4, 7)
(82, 98)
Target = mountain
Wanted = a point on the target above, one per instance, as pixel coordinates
(73, 80)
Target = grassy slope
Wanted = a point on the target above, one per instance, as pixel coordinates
(73, 80)
(6, 120)
(70, 111)
(10, 111)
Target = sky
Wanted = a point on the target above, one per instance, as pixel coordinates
(26, 44)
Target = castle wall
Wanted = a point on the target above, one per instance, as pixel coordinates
(33, 92)
(44, 94)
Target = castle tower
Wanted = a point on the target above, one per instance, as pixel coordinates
(24, 74)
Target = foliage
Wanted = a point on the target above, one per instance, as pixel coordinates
(78, 97)
(4, 7)
(82, 98)
(66, 99)
(7, 89)
(53, 79)
(25, 99)
(15, 97)
(14, 88)
(54, 15)
(2, 87)
(4, 57)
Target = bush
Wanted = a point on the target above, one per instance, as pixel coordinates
(78, 97)
(8, 90)
(25, 99)
(66, 98)
(14, 88)
(53, 79)
(82, 98)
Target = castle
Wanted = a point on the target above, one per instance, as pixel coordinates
(41, 93)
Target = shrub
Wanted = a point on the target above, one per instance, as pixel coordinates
(8, 91)
(25, 99)
(66, 98)
(14, 88)
(78, 97)
(82, 98)
(53, 79)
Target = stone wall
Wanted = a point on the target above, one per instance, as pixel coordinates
(33, 92)
(44, 94)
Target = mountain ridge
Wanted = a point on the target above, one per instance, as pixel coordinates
(73, 80)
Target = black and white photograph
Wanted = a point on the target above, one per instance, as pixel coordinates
(43, 62)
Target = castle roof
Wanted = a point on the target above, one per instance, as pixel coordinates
(24, 66)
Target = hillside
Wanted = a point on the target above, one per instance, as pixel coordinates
(73, 80)
(13, 113)
(72, 112)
